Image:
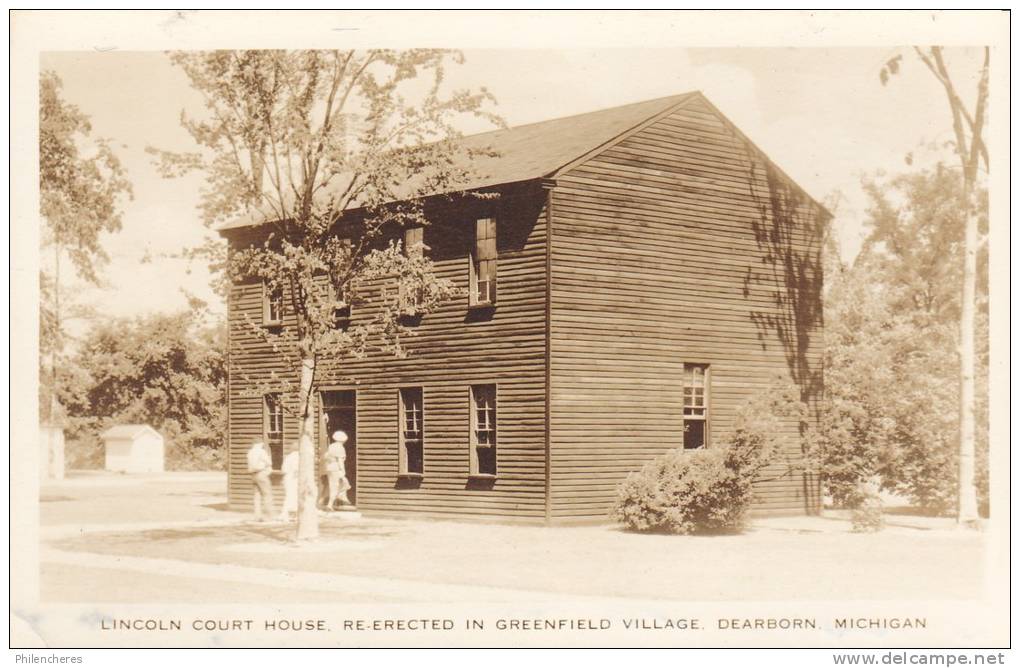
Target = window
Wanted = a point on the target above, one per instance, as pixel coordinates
(414, 241)
(342, 314)
(483, 430)
(272, 305)
(695, 406)
(412, 432)
(272, 421)
(483, 263)
(411, 291)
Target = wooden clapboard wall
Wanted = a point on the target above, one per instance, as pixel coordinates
(678, 244)
(455, 348)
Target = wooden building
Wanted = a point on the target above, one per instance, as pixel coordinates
(644, 271)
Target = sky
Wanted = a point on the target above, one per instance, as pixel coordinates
(822, 115)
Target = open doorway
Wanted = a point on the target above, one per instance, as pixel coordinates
(340, 412)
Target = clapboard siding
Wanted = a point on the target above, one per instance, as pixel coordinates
(454, 348)
(660, 256)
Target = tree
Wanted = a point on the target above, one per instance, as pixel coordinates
(970, 149)
(166, 370)
(328, 152)
(80, 198)
(890, 346)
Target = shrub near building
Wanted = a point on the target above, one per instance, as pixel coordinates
(710, 490)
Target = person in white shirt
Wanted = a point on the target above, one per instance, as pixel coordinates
(259, 467)
(334, 460)
(290, 472)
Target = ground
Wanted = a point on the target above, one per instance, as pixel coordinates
(171, 538)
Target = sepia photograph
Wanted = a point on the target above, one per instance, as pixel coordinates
(680, 329)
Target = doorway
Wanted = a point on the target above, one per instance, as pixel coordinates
(340, 412)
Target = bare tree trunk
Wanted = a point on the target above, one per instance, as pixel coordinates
(54, 402)
(307, 513)
(967, 511)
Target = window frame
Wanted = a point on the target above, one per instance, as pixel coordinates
(474, 465)
(341, 317)
(269, 297)
(271, 400)
(704, 407)
(402, 458)
(408, 307)
(491, 261)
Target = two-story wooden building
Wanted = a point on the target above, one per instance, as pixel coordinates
(644, 271)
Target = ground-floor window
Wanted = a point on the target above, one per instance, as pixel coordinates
(483, 430)
(412, 431)
(695, 406)
(272, 421)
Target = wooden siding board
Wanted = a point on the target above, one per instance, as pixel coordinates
(658, 260)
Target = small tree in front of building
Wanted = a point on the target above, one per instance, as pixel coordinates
(331, 154)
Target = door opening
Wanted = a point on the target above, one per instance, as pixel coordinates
(340, 412)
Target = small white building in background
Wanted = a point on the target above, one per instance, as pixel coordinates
(133, 448)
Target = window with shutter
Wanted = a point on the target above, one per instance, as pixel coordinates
(483, 263)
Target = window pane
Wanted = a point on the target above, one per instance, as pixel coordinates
(694, 434)
(276, 454)
(415, 460)
(486, 460)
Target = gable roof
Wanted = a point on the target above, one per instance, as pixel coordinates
(127, 431)
(548, 148)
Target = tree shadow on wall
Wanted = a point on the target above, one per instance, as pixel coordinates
(789, 230)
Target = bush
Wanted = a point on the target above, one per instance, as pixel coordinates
(684, 492)
(190, 457)
(866, 515)
(84, 453)
(707, 491)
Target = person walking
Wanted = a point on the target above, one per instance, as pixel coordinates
(259, 467)
(336, 479)
(289, 467)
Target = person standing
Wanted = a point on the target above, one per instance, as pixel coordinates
(336, 478)
(289, 467)
(259, 467)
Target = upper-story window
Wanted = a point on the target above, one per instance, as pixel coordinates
(483, 263)
(272, 305)
(414, 241)
(341, 314)
(412, 294)
(695, 406)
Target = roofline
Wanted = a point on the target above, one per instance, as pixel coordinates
(743, 137)
(686, 99)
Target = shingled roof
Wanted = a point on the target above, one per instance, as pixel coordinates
(537, 150)
(542, 149)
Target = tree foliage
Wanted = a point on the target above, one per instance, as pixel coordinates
(891, 348)
(168, 371)
(330, 154)
(80, 192)
(82, 186)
